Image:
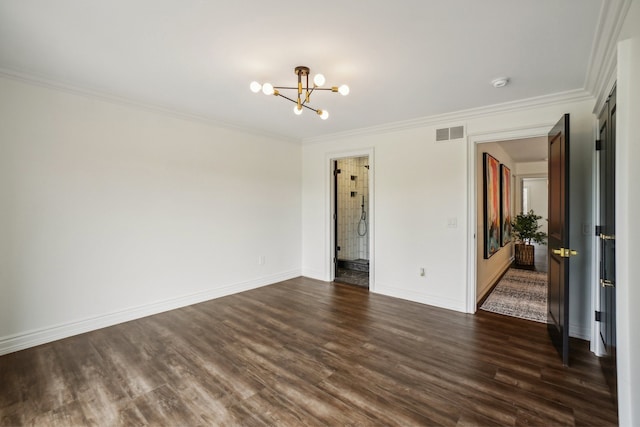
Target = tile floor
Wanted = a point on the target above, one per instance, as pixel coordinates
(352, 277)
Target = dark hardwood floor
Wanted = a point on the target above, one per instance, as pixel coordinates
(304, 352)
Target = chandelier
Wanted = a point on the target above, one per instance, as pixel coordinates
(304, 91)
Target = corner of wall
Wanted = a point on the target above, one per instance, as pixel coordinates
(23, 340)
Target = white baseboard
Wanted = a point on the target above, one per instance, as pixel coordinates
(406, 294)
(21, 341)
(580, 331)
(314, 274)
(486, 287)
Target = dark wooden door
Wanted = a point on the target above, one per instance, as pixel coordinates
(559, 252)
(607, 232)
(336, 224)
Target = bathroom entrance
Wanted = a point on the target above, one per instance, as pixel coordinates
(351, 180)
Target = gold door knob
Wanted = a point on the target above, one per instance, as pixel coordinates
(565, 253)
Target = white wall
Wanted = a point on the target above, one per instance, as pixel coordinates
(527, 170)
(581, 232)
(532, 168)
(489, 270)
(411, 231)
(627, 227)
(110, 212)
(538, 200)
(419, 186)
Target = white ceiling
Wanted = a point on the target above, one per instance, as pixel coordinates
(527, 149)
(403, 60)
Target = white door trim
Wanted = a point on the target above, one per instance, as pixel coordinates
(473, 139)
(330, 224)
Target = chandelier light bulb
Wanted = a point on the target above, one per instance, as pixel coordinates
(297, 110)
(318, 80)
(324, 115)
(344, 90)
(255, 87)
(267, 89)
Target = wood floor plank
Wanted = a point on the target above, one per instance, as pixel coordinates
(374, 393)
(306, 353)
(270, 408)
(568, 397)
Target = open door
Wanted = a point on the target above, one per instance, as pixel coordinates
(336, 249)
(559, 252)
(607, 233)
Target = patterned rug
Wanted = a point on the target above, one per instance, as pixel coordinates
(520, 293)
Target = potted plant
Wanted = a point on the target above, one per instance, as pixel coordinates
(525, 229)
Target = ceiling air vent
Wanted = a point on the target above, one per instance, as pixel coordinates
(445, 134)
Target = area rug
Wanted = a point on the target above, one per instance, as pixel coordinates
(520, 293)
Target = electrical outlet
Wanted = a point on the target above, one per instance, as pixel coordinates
(422, 272)
(261, 260)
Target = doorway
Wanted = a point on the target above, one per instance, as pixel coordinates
(522, 187)
(475, 143)
(351, 220)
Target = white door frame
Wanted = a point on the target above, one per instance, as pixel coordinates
(330, 242)
(473, 140)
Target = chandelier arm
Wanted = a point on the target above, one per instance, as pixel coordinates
(295, 102)
(308, 95)
(287, 98)
(299, 88)
(295, 88)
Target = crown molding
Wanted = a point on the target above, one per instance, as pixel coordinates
(459, 116)
(605, 85)
(506, 134)
(132, 103)
(601, 71)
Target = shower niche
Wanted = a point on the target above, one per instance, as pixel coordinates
(352, 220)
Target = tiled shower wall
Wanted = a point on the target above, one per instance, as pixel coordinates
(353, 184)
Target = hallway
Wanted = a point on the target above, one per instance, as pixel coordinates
(521, 292)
